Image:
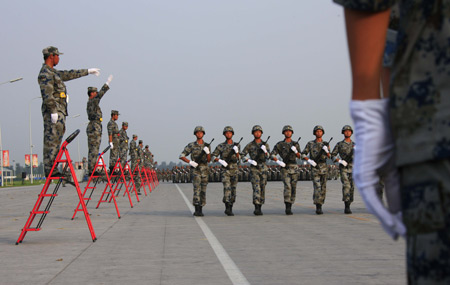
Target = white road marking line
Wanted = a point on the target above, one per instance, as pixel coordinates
(228, 264)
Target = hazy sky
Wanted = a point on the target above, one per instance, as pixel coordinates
(179, 64)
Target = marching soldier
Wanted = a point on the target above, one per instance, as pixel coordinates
(345, 151)
(123, 144)
(289, 152)
(94, 128)
(318, 152)
(113, 136)
(54, 103)
(227, 154)
(200, 157)
(259, 153)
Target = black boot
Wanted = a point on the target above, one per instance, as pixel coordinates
(198, 211)
(288, 208)
(229, 209)
(319, 209)
(257, 211)
(347, 208)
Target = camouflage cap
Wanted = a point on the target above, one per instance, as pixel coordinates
(141, 141)
(92, 89)
(51, 50)
(125, 124)
(135, 136)
(146, 146)
(114, 112)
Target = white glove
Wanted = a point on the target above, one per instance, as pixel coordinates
(111, 144)
(223, 162)
(343, 162)
(312, 162)
(54, 118)
(294, 149)
(236, 149)
(252, 162)
(110, 78)
(193, 163)
(263, 147)
(95, 71)
(206, 150)
(280, 163)
(373, 157)
(67, 98)
(325, 148)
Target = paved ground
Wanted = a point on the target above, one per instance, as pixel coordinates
(158, 241)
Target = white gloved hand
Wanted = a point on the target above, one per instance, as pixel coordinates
(343, 162)
(252, 162)
(373, 157)
(325, 148)
(280, 163)
(294, 149)
(312, 162)
(263, 147)
(206, 150)
(223, 162)
(236, 149)
(110, 78)
(54, 117)
(193, 163)
(95, 71)
(112, 145)
(67, 98)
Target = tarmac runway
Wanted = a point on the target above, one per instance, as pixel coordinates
(158, 241)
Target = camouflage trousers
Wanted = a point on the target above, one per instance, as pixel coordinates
(289, 175)
(258, 178)
(230, 180)
(425, 191)
(348, 187)
(200, 181)
(114, 154)
(53, 134)
(320, 186)
(123, 157)
(136, 176)
(94, 135)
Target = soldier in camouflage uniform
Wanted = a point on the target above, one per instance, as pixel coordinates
(134, 162)
(289, 151)
(227, 154)
(148, 158)
(94, 128)
(54, 104)
(113, 136)
(123, 144)
(417, 112)
(259, 153)
(200, 153)
(318, 152)
(345, 151)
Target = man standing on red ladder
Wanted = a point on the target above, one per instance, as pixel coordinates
(54, 103)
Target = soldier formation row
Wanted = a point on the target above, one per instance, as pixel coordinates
(256, 154)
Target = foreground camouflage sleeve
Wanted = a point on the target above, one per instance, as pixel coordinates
(217, 152)
(67, 75)
(275, 151)
(187, 151)
(335, 152)
(306, 150)
(102, 91)
(367, 5)
(244, 152)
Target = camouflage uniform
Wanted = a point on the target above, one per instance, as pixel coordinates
(290, 173)
(200, 173)
(258, 173)
(94, 128)
(148, 158)
(345, 151)
(134, 156)
(54, 100)
(123, 144)
(113, 130)
(419, 110)
(319, 172)
(226, 152)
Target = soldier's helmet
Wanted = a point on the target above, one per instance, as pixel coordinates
(257, 128)
(318, 127)
(287, 128)
(228, 129)
(346, 127)
(199, 129)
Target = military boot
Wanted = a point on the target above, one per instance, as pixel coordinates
(319, 209)
(258, 211)
(228, 209)
(288, 208)
(347, 208)
(198, 211)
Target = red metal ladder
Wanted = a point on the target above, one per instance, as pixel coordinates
(37, 207)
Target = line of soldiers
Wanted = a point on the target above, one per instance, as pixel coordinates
(257, 153)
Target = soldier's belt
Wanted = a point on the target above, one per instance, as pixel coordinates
(62, 95)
